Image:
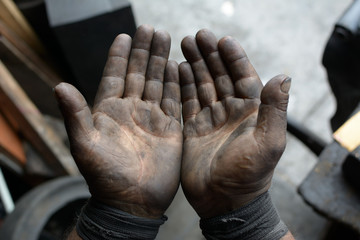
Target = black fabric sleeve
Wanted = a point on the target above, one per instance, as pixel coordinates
(258, 220)
(99, 221)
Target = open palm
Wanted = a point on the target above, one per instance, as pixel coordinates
(130, 144)
(234, 128)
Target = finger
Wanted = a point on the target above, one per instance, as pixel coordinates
(76, 113)
(189, 98)
(271, 123)
(113, 80)
(246, 80)
(170, 103)
(138, 61)
(207, 44)
(160, 50)
(204, 82)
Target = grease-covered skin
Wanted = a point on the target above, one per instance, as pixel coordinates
(234, 128)
(129, 146)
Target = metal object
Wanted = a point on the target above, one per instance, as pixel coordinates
(342, 59)
(326, 190)
(5, 195)
(313, 142)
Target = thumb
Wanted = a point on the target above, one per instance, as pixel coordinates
(271, 123)
(76, 113)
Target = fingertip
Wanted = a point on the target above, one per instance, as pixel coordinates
(188, 44)
(186, 74)
(163, 35)
(203, 33)
(285, 85)
(121, 42)
(143, 37)
(275, 92)
(186, 40)
(183, 63)
(207, 41)
(172, 66)
(69, 98)
(122, 36)
(146, 28)
(184, 66)
(230, 49)
(161, 44)
(280, 83)
(224, 40)
(61, 89)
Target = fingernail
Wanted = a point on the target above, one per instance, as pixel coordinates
(285, 85)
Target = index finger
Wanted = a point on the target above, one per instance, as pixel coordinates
(112, 82)
(246, 80)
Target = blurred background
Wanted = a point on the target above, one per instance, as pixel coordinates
(72, 38)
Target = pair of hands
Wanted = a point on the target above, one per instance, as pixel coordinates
(132, 149)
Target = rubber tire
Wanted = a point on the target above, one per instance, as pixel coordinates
(35, 208)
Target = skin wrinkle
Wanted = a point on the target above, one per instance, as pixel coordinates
(238, 59)
(172, 100)
(86, 131)
(171, 81)
(118, 57)
(189, 99)
(221, 76)
(110, 80)
(143, 129)
(159, 57)
(211, 54)
(208, 104)
(147, 51)
(203, 83)
(272, 106)
(155, 80)
(139, 179)
(188, 84)
(140, 160)
(224, 97)
(225, 124)
(139, 76)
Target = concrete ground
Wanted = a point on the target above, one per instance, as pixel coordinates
(279, 37)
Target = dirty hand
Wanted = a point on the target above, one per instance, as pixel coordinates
(234, 128)
(129, 146)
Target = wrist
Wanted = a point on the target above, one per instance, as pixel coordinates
(133, 209)
(256, 220)
(99, 221)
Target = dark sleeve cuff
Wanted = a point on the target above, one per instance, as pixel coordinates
(99, 221)
(258, 220)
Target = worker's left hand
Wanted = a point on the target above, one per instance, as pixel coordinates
(129, 146)
(234, 128)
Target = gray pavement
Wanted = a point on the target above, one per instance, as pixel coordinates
(279, 37)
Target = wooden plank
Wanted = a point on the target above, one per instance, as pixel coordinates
(23, 114)
(31, 77)
(10, 143)
(348, 135)
(10, 14)
(29, 53)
